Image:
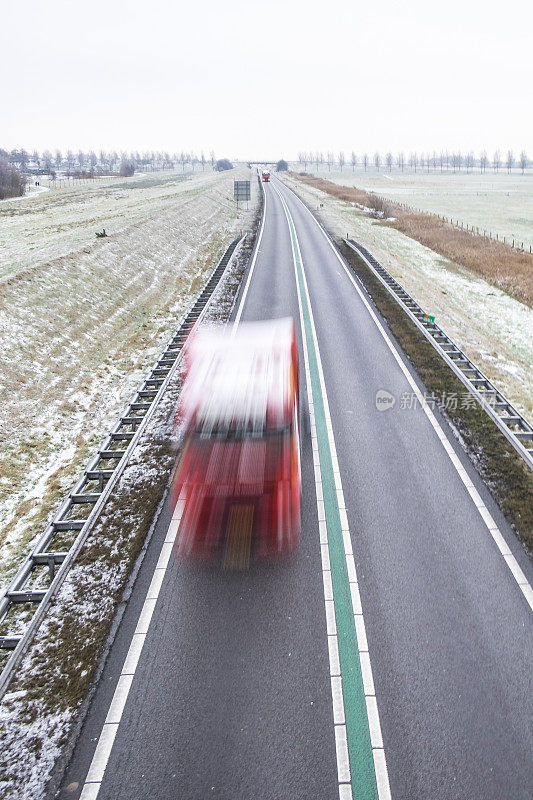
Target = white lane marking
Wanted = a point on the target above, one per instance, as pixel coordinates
(328, 586)
(134, 653)
(373, 721)
(119, 699)
(338, 700)
(493, 529)
(361, 633)
(345, 791)
(331, 624)
(343, 763)
(334, 661)
(382, 776)
(252, 265)
(102, 753)
(90, 791)
(366, 669)
(146, 615)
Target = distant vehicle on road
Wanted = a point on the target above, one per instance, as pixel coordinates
(238, 481)
(265, 174)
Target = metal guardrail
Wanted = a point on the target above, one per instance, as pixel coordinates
(55, 551)
(511, 423)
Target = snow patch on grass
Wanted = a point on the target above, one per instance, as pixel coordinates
(492, 328)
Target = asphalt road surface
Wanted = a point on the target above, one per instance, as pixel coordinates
(232, 694)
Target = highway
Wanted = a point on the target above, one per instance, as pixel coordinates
(262, 685)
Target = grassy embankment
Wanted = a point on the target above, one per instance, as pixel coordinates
(57, 673)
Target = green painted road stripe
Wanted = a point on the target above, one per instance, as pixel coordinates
(364, 786)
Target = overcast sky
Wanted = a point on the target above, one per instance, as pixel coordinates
(250, 78)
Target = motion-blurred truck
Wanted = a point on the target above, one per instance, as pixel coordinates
(237, 486)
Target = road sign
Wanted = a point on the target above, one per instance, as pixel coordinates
(241, 190)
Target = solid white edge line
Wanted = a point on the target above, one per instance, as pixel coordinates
(106, 739)
(345, 789)
(511, 561)
(252, 265)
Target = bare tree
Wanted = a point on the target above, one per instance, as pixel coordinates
(47, 160)
(365, 160)
(353, 160)
(496, 161)
(483, 161)
(413, 161)
(434, 160)
(523, 161)
(317, 159)
(12, 182)
(388, 160)
(80, 159)
(469, 162)
(58, 159)
(509, 161)
(441, 160)
(212, 158)
(202, 160)
(342, 160)
(183, 160)
(401, 161)
(70, 160)
(377, 160)
(330, 160)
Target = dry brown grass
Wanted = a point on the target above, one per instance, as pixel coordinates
(506, 268)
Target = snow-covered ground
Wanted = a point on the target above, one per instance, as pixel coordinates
(81, 319)
(494, 329)
(31, 192)
(499, 202)
(36, 229)
(38, 714)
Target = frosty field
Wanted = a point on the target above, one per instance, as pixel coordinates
(53, 223)
(499, 202)
(493, 328)
(82, 318)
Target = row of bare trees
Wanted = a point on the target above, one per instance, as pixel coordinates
(102, 162)
(12, 183)
(443, 161)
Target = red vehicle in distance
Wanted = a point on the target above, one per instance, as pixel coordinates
(238, 482)
(265, 174)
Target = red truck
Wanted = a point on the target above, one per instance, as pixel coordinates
(238, 482)
(265, 174)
